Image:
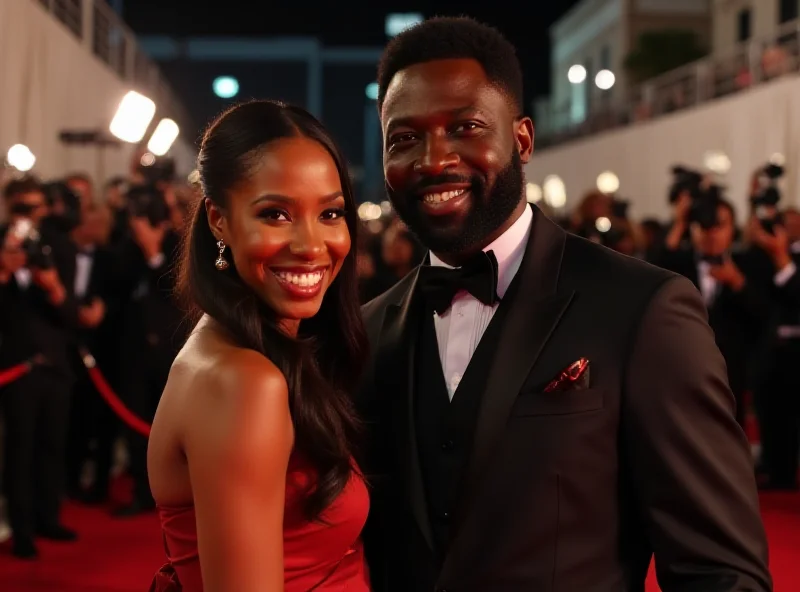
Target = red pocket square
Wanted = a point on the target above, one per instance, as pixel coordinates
(573, 377)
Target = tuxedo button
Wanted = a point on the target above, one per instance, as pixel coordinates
(445, 516)
(447, 445)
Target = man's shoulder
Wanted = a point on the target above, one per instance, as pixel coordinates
(589, 265)
(392, 296)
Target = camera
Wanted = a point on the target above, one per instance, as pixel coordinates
(65, 206)
(147, 201)
(162, 170)
(705, 197)
(765, 201)
(38, 254)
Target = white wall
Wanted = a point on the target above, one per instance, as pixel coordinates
(749, 127)
(49, 82)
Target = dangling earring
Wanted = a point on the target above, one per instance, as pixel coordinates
(221, 263)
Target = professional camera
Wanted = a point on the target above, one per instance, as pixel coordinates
(765, 201)
(65, 206)
(160, 171)
(147, 201)
(39, 255)
(705, 196)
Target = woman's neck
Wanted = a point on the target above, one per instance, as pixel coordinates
(290, 327)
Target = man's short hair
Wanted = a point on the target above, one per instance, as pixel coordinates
(444, 38)
(21, 186)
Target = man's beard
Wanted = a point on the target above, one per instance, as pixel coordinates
(487, 212)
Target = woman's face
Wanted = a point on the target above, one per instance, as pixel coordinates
(285, 227)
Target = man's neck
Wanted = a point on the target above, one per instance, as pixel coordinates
(458, 259)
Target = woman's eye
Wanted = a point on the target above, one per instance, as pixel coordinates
(333, 214)
(274, 215)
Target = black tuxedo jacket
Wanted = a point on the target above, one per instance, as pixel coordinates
(30, 324)
(737, 318)
(576, 490)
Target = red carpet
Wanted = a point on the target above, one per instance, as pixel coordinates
(116, 555)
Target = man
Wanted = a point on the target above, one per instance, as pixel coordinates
(738, 305)
(38, 314)
(566, 418)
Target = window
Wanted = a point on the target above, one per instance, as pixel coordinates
(605, 58)
(743, 32)
(787, 10)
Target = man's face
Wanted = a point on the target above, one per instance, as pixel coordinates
(31, 205)
(716, 240)
(453, 155)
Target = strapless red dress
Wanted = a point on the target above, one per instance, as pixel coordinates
(321, 557)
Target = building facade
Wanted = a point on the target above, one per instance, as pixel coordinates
(599, 35)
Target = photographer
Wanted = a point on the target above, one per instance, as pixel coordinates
(151, 334)
(37, 317)
(737, 304)
(776, 397)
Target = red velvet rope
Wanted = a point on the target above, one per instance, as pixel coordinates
(9, 375)
(134, 422)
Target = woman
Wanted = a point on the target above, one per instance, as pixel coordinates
(250, 455)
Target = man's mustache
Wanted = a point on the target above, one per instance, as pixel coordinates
(440, 180)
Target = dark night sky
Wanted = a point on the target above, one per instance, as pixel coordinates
(343, 23)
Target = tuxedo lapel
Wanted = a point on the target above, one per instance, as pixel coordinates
(395, 376)
(536, 307)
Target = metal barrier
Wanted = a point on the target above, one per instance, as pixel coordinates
(106, 36)
(712, 77)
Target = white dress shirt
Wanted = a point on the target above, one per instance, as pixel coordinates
(708, 284)
(460, 328)
(84, 261)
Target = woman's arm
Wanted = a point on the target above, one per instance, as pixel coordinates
(238, 459)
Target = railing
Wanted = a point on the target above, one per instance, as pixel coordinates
(107, 37)
(712, 77)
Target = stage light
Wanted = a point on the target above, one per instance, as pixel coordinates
(607, 183)
(21, 158)
(226, 87)
(134, 114)
(576, 74)
(605, 79)
(372, 91)
(368, 211)
(162, 139)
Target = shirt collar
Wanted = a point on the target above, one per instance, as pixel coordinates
(509, 248)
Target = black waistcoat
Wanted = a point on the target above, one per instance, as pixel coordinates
(445, 428)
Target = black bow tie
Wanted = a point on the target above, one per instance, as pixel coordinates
(478, 277)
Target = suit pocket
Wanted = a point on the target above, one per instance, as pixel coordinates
(538, 403)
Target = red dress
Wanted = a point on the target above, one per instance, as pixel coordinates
(321, 557)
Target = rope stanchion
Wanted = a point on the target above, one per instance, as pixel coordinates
(134, 422)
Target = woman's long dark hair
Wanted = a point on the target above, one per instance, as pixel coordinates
(323, 364)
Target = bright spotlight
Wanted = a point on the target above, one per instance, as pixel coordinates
(226, 87)
(554, 192)
(386, 207)
(576, 74)
(602, 224)
(134, 114)
(396, 23)
(372, 91)
(605, 79)
(21, 158)
(717, 162)
(533, 193)
(607, 183)
(162, 139)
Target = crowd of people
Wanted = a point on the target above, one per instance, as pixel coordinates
(260, 389)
